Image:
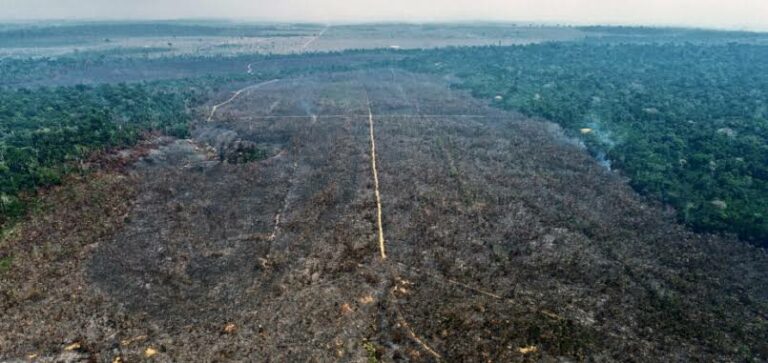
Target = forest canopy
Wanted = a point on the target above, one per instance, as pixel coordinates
(45, 132)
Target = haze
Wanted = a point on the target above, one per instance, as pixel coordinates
(732, 14)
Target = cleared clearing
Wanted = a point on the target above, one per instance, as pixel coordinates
(505, 242)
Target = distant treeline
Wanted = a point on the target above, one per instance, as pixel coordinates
(688, 124)
(128, 65)
(114, 66)
(658, 33)
(104, 31)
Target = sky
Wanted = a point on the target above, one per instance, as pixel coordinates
(730, 14)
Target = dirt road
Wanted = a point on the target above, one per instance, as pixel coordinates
(235, 95)
(382, 248)
(314, 39)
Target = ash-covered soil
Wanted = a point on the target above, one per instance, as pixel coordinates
(506, 242)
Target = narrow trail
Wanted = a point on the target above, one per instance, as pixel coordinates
(382, 248)
(237, 93)
(249, 68)
(401, 320)
(366, 115)
(314, 39)
(272, 108)
(291, 184)
(286, 202)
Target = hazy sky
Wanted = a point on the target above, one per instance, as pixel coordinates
(740, 14)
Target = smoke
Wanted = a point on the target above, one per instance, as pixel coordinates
(600, 132)
(604, 137)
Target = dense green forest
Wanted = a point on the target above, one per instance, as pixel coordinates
(688, 124)
(113, 66)
(652, 35)
(45, 132)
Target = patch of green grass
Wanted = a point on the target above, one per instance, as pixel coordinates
(246, 154)
(370, 348)
(5, 264)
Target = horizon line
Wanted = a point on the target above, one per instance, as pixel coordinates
(338, 22)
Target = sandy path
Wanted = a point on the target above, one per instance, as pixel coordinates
(366, 115)
(237, 93)
(286, 202)
(376, 184)
(309, 42)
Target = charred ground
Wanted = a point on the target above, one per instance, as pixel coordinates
(506, 242)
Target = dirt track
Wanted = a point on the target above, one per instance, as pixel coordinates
(505, 242)
(314, 39)
(237, 93)
(377, 193)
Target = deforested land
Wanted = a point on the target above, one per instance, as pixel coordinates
(214, 191)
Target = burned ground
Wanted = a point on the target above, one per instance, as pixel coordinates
(505, 242)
